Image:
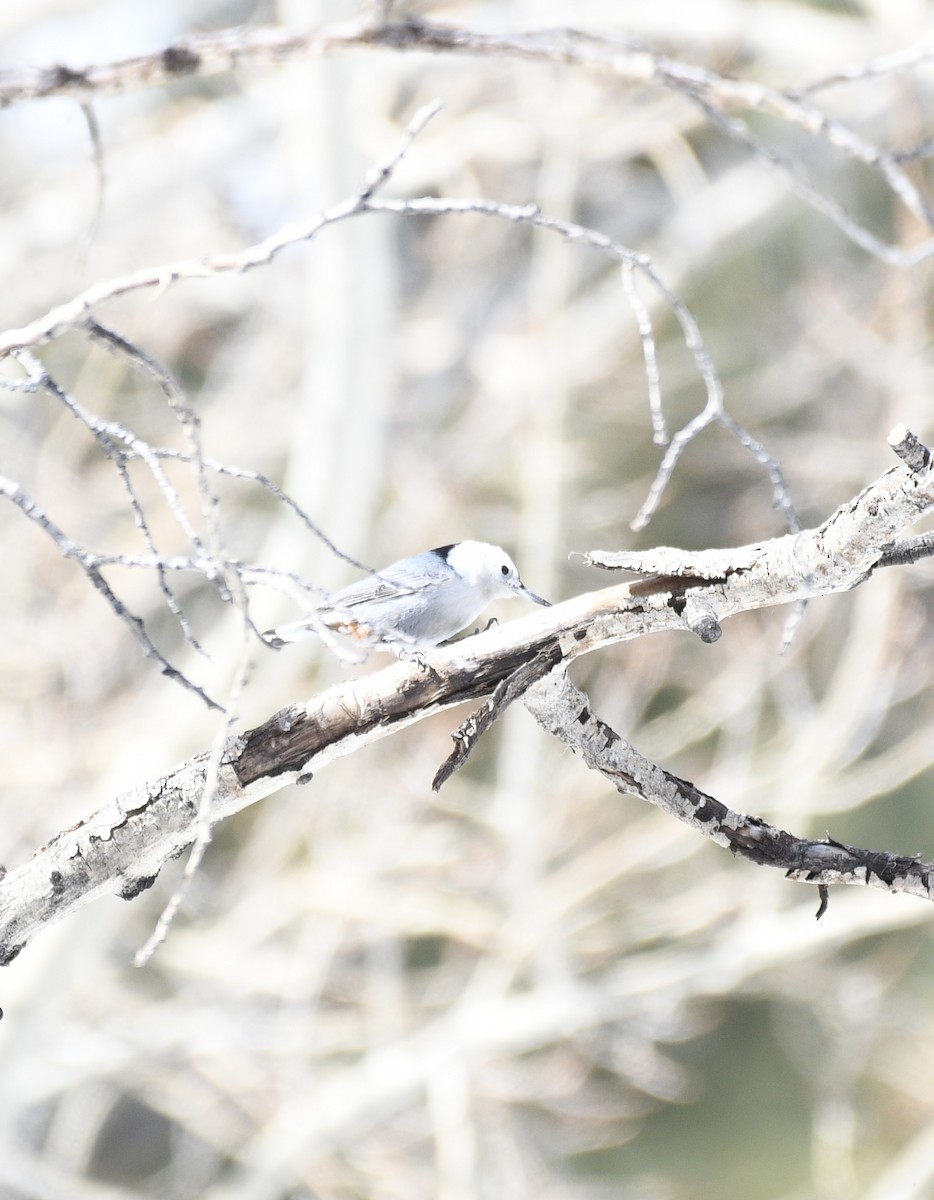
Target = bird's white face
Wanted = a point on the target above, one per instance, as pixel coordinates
(487, 567)
(490, 570)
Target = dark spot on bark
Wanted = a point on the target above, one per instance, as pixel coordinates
(705, 811)
(625, 782)
(8, 953)
(399, 33)
(609, 735)
(180, 60)
(132, 889)
(579, 635)
(57, 880)
(63, 76)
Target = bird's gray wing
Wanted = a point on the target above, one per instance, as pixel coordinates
(405, 578)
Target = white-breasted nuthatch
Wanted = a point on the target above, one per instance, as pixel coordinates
(416, 602)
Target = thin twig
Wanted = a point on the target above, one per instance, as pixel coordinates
(643, 318)
(79, 310)
(100, 173)
(70, 549)
(469, 732)
(209, 790)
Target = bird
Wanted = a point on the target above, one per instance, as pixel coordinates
(415, 603)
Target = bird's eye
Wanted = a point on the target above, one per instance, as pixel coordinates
(504, 569)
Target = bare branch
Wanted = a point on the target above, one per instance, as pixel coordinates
(876, 68)
(910, 449)
(80, 311)
(382, 173)
(116, 441)
(198, 56)
(100, 171)
(857, 533)
(649, 354)
(76, 312)
(121, 848)
(91, 568)
(711, 414)
(794, 174)
(908, 550)
(715, 95)
(470, 731)
(204, 820)
(564, 711)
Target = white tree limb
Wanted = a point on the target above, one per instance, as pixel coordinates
(122, 847)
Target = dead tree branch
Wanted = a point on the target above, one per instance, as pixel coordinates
(122, 848)
(564, 711)
(718, 97)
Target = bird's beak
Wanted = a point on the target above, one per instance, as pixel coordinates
(524, 591)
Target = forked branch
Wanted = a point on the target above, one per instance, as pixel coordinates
(122, 848)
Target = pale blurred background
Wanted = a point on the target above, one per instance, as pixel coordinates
(526, 986)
